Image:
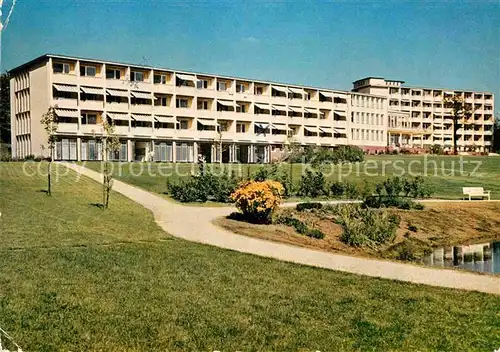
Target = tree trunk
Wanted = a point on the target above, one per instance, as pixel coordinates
(455, 136)
(48, 178)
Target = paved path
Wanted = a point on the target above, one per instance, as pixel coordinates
(195, 224)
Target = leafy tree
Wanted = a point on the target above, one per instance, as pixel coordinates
(49, 122)
(4, 108)
(110, 144)
(496, 134)
(461, 111)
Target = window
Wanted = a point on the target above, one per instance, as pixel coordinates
(136, 76)
(240, 88)
(202, 84)
(87, 71)
(61, 67)
(161, 100)
(258, 90)
(222, 126)
(181, 103)
(241, 108)
(112, 73)
(182, 125)
(241, 128)
(89, 119)
(202, 105)
(221, 86)
(160, 79)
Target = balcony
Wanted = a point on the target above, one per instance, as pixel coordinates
(67, 127)
(142, 131)
(118, 107)
(91, 129)
(186, 90)
(65, 103)
(163, 88)
(141, 109)
(187, 112)
(118, 83)
(163, 110)
(91, 105)
(93, 81)
(208, 134)
(188, 134)
(143, 86)
(164, 132)
(64, 78)
(122, 130)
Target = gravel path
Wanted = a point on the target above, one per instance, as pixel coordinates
(195, 224)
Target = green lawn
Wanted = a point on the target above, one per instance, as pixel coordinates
(75, 277)
(443, 172)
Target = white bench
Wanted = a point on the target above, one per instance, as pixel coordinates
(475, 192)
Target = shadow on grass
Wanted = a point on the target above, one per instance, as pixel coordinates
(97, 205)
(43, 191)
(243, 218)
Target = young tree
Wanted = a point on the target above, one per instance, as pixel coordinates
(496, 134)
(4, 108)
(49, 122)
(221, 148)
(110, 144)
(461, 111)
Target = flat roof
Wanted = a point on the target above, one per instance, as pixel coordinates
(65, 57)
(415, 87)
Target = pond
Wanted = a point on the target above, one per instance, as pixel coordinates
(483, 257)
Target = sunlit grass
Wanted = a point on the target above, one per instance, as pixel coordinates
(75, 277)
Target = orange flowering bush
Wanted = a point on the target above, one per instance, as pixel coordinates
(258, 200)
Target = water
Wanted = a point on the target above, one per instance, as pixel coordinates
(483, 257)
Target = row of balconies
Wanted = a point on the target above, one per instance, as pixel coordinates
(187, 90)
(98, 104)
(72, 128)
(188, 112)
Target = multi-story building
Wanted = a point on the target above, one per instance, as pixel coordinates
(169, 115)
(417, 117)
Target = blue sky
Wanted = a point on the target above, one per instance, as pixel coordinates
(326, 44)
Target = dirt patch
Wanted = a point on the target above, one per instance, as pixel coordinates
(437, 225)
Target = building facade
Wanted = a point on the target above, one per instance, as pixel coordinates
(417, 117)
(174, 116)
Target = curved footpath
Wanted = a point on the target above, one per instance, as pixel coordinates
(195, 224)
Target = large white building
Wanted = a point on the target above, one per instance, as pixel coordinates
(169, 115)
(418, 119)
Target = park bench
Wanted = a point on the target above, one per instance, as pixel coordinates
(475, 192)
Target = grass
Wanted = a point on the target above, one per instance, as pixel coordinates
(452, 224)
(76, 277)
(437, 169)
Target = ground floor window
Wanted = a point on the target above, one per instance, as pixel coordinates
(184, 153)
(91, 149)
(163, 152)
(120, 154)
(66, 149)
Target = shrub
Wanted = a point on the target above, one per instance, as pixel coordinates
(315, 233)
(436, 149)
(312, 184)
(409, 250)
(397, 192)
(307, 206)
(412, 228)
(317, 156)
(275, 173)
(204, 187)
(300, 227)
(365, 227)
(258, 200)
(337, 189)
